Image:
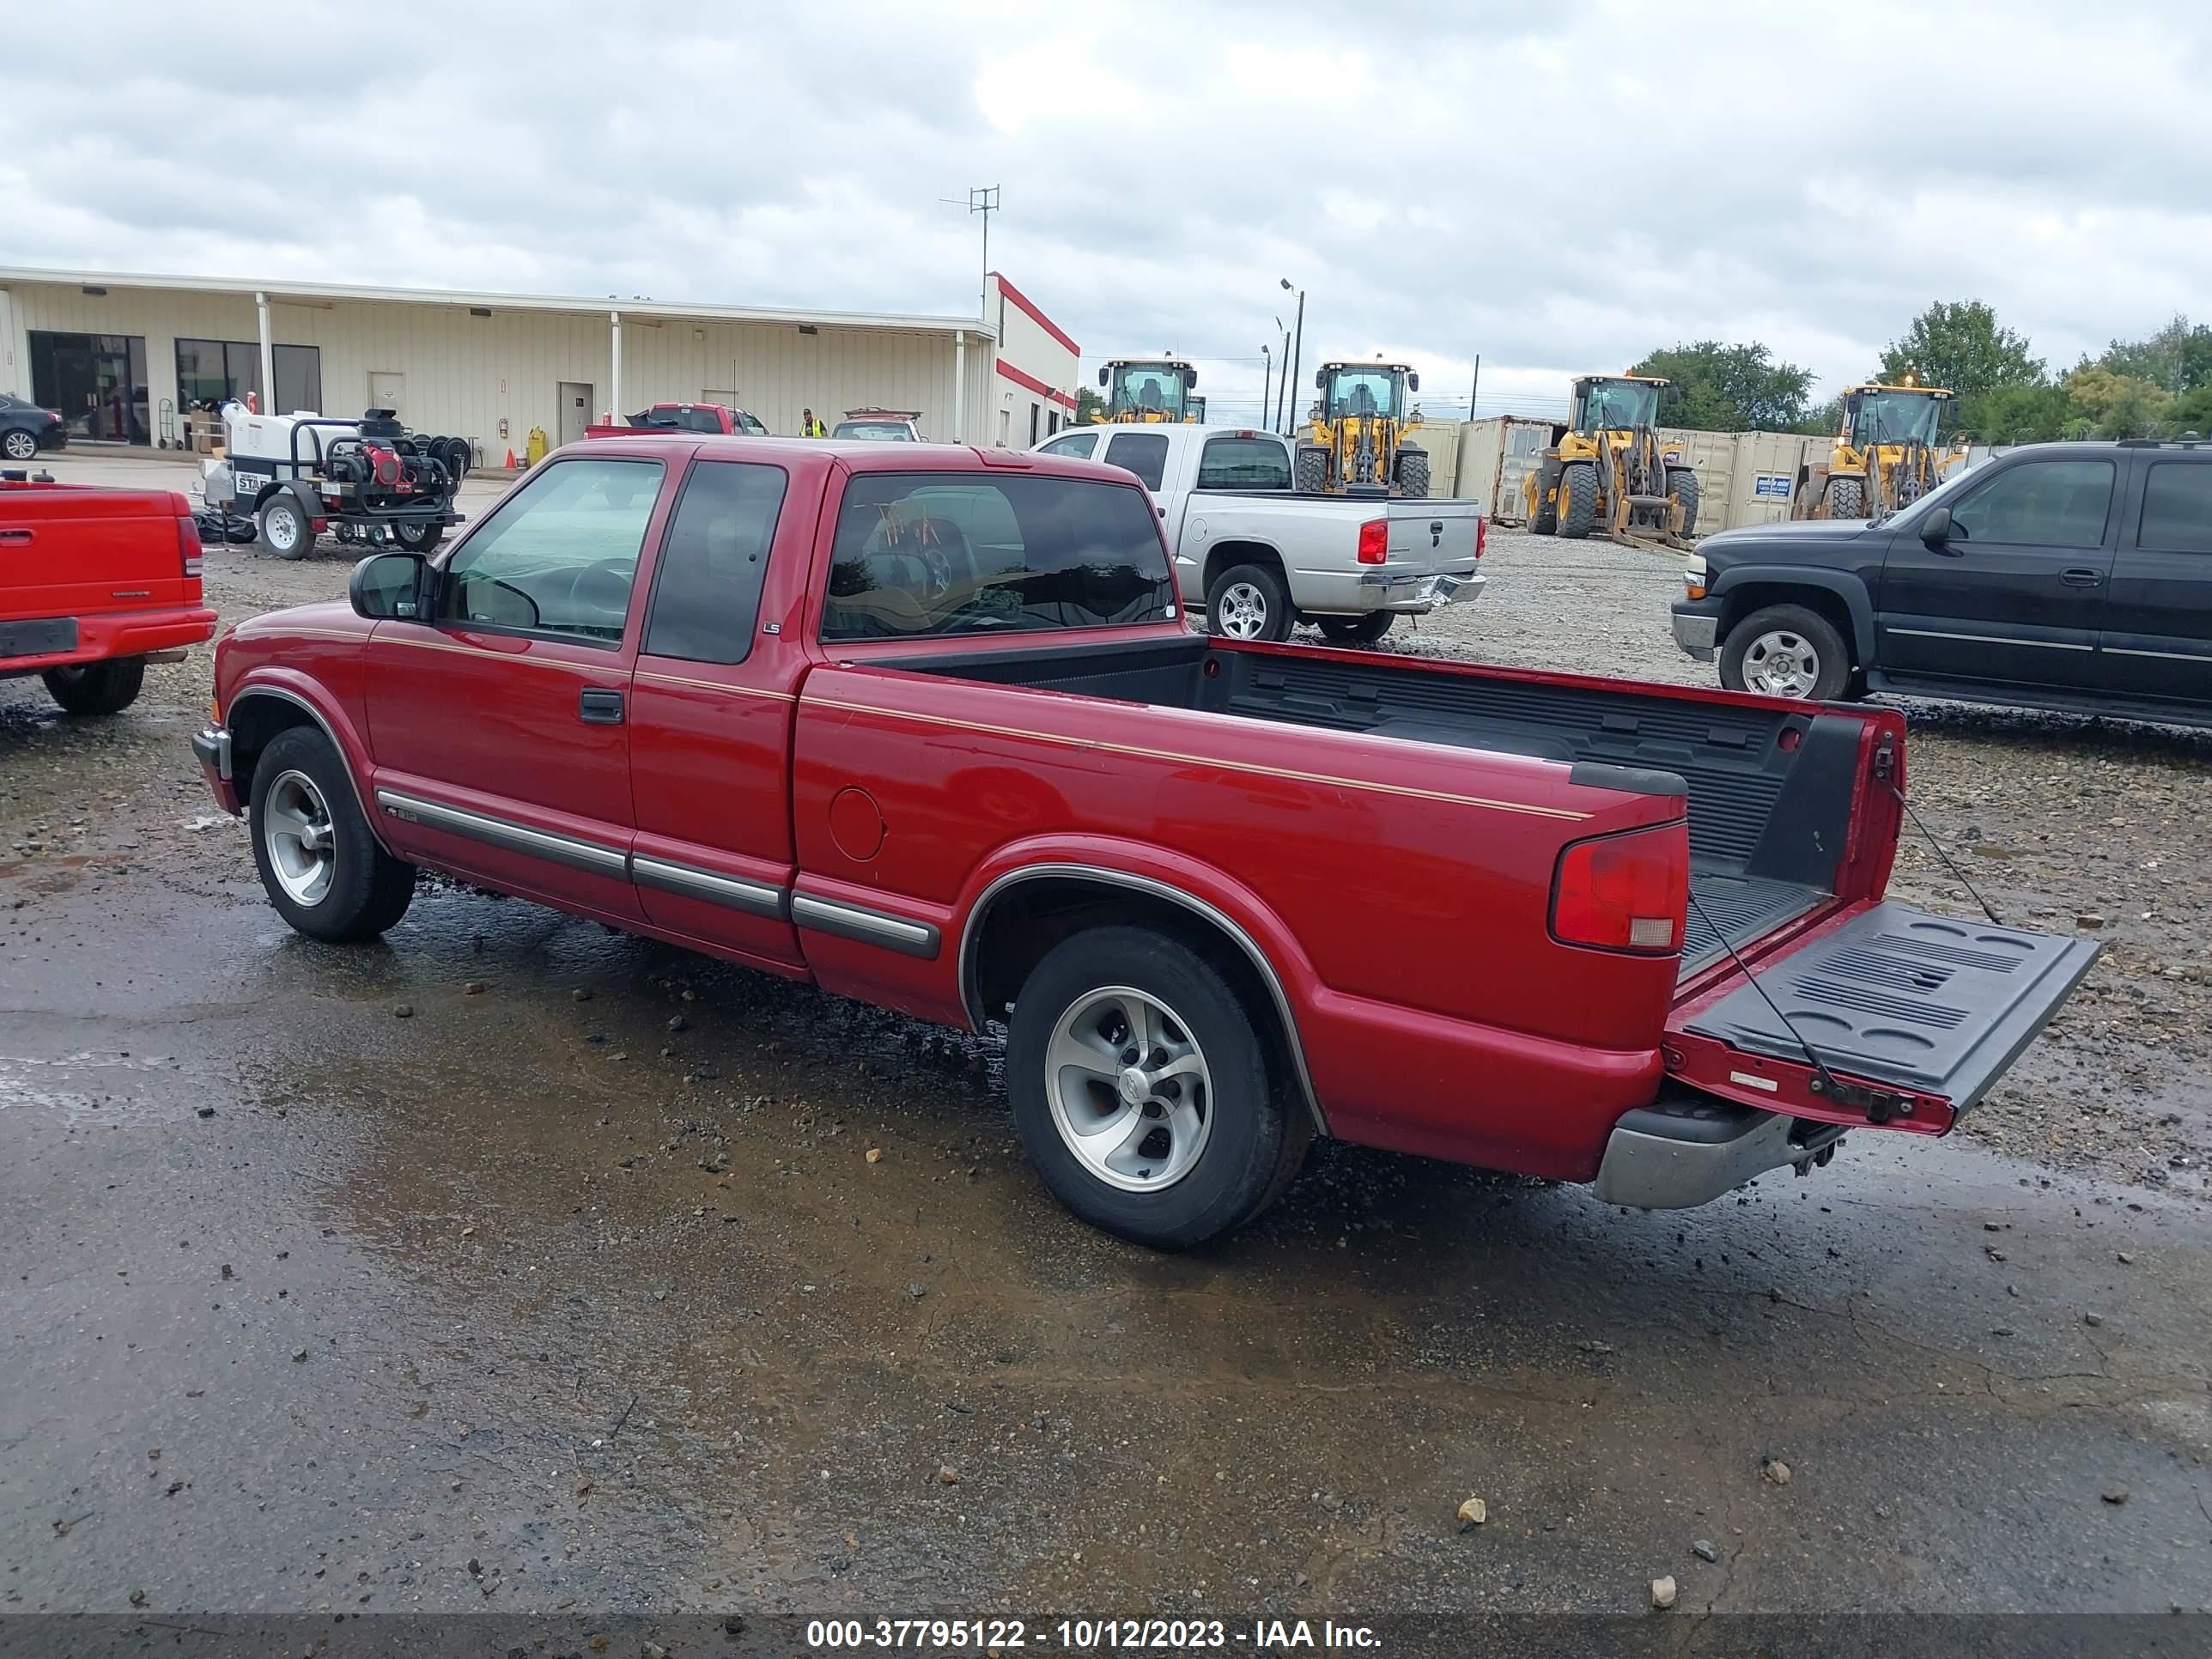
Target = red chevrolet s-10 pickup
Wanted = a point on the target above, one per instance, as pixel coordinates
(95, 584)
(923, 725)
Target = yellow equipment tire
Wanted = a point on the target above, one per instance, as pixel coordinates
(1578, 500)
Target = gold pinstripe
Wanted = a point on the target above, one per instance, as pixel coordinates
(715, 685)
(1408, 791)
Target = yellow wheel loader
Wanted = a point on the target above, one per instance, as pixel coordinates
(1607, 473)
(1885, 456)
(1361, 438)
(1149, 392)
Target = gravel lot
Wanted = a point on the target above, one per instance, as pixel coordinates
(2061, 822)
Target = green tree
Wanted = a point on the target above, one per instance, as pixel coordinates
(1727, 388)
(2015, 415)
(1089, 405)
(1824, 421)
(2177, 358)
(1959, 345)
(2115, 405)
(2191, 412)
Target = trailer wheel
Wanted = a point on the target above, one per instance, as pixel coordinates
(1413, 474)
(418, 537)
(1313, 469)
(1141, 1090)
(1578, 500)
(286, 531)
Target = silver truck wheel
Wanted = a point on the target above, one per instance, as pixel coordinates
(1128, 1089)
(1247, 602)
(295, 832)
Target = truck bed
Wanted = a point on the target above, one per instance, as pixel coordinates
(1769, 791)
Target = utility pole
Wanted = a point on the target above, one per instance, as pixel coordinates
(1298, 352)
(983, 199)
(1476, 388)
(1266, 381)
(1282, 379)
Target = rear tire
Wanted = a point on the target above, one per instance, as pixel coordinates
(1413, 474)
(322, 866)
(418, 537)
(1786, 651)
(286, 531)
(1544, 518)
(1846, 498)
(1313, 469)
(1247, 602)
(1578, 500)
(1682, 485)
(18, 444)
(1356, 630)
(1217, 1151)
(97, 688)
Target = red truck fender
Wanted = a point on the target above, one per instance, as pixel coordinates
(1216, 901)
(273, 698)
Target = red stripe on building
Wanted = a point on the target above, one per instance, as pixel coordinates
(1023, 303)
(1034, 385)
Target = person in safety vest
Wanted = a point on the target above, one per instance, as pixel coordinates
(811, 428)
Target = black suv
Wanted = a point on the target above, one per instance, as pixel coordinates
(2065, 576)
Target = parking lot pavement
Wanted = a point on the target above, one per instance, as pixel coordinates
(518, 1264)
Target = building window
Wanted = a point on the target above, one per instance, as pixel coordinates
(1035, 411)
(209, 372)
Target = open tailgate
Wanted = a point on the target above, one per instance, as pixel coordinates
(1914, 1016)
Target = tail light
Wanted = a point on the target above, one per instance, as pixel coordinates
(188, 544)
(1481, 535)
(1626, 892)
(1374, 541)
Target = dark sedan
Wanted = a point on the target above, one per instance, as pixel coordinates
(26, 428)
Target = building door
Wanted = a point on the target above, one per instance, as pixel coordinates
(387, 389)
(576, 411)
(97, 382)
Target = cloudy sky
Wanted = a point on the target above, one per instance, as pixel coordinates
(1557, 188)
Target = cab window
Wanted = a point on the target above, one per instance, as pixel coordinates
(1145, 453)
(1244, 464)
(707, 587)
(2039, 504)
(560, 555)
(2177, 510)
(1077, 444)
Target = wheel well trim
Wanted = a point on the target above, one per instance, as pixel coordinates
(322, 721)
(971, 996)
(1858, 605)
(1230, 551)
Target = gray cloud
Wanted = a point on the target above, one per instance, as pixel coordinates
(1557, 191)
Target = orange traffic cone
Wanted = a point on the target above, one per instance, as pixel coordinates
(510, 460)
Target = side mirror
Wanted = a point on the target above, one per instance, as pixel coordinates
(1190, 379)
(1935, 528)
(388, 586)
(1320, 379)
(1101, 376)
(1413, 383)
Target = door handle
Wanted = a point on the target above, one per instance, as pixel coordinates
(2079, 577)
(600, 708)
(14, 537)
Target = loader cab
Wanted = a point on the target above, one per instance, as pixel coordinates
(1157, 390)
(1893, 415)
(1615, 403)
(1365, 391)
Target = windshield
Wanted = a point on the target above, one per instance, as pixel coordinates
(1894, 418)
(1614, 405)
(891, 431)
(1364, 392)
(1155, 388)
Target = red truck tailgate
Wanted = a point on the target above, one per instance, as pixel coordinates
(1913, 1016)
(74, 552)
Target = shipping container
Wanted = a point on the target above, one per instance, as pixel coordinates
(1766, 465)
(1494, 456)
(1441, 439)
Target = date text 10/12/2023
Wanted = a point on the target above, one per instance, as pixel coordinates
(996, 1637)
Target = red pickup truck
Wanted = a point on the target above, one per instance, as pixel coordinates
(95, 584)
(923, 725)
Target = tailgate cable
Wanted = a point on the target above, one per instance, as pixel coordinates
(1945, 856)
(1878, 1105)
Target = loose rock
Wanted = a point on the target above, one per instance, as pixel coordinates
(1663, 1593)
(677, 1023)
(1703, 1550)
(1472, 1513)
(875, 1154)
(2115, 1493)
(946, 1476)
(475, 987)
(1777, 1471)
(403, 1011)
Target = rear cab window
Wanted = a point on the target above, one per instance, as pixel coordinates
(938, 554)
(1145, 453)
(2177, 508)
(713, 558)
(1241, 462)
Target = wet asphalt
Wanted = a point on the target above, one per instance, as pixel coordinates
(514, 1264)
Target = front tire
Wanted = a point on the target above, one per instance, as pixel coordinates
(97, 688)
(1313, 470)
(286, 530)
(1846, 498)
(1413, 474)
(1356, 630)
(1142, 1093)
(1247, 602)
(320, 864)
(1786, 651)
(1578, 500)
(1682, 485)
(19, 444)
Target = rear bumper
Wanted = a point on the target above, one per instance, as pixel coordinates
(1402, 592)
(58, 642)
(1690, 1150)
(211, 748)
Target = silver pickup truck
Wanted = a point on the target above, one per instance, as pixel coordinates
(1258, 557)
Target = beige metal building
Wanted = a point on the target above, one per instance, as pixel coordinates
(125, 357)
